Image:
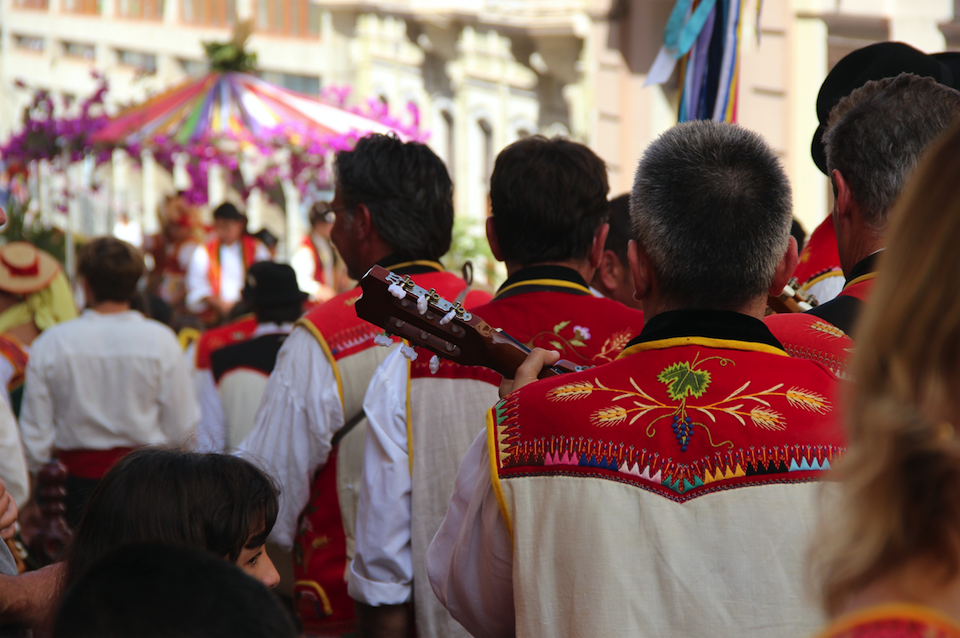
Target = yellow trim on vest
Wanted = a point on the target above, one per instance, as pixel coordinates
(861, 278)
(827, 275)
(725, 344)
(409, 423)
(907, 611)
(494, 453)
(418, 262)
(327, 609)
(333, 362)
(186, 336)
(545, 282)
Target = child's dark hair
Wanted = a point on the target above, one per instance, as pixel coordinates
(214, 502)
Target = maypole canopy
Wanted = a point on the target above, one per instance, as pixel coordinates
(234, 105)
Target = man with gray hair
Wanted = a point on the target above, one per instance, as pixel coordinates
(613, 501)
(874, 139)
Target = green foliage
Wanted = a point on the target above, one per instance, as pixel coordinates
(228, 56)
(22, 226)
(683, 381)
(470, 244)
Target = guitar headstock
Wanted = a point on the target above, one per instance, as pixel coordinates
(427, 320)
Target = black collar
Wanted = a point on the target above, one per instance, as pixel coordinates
(407, 266)
(710, 324)
(863, 267)
(544, 278)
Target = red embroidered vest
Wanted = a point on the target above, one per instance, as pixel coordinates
(819, 257)
(320, 547)
(680, 417)
(317, 263)
(248, 246)
(241, 329)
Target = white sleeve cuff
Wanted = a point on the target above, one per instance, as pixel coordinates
(376, 594)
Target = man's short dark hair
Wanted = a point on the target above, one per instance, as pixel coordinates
(548, 197)
(407, 189)
(226, 210)
(878, 133)
(621, 230)
(163, 590)
(112, 267)
(711, 207)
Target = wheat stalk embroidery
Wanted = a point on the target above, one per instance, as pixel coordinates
(686, 380)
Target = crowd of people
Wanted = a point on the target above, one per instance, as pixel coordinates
(710, 469)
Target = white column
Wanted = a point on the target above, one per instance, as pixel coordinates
(254, 210)
(292, 198)
(216, 186)
(150, 223)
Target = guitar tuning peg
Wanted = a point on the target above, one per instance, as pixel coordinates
(407, 283)
(458, 309)
(433, 296)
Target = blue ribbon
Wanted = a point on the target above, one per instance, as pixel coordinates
(682, 32)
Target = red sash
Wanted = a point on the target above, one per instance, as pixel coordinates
(320, 559)
(241, 329)
(317, 264)
(91, 464)
(248, 245)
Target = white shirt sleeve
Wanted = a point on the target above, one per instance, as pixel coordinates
(212, 431)
(382, 569)
(6, 373)
(305, 266)
(470, 561)
(827, 288)
(13, 466)
(179, 410)
(294, 428)
(36, 414)
(262, 253)
(197, 280)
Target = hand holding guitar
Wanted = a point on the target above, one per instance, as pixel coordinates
(529, 370)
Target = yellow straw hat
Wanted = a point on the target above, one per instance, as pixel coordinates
(25, 269)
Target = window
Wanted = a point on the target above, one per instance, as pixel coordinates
(42, 5)
(29, 43)
(210, 13)
(307, 84)
(299, 18)
(194, 67)
(145, 61)
(487, 133)
(85, 7)
(448, 131)
(79, 50)
(140, 9)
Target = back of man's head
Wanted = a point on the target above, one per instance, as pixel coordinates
(407, 190)
(620, 229)
(711, 207)
(111, 267)
(878, 133)
(162, 591)
(548, 197)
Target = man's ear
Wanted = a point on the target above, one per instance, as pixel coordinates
(640, 268)
(596, 248)
(608, 272)
(844, 204)
(785, 268)
(492, 240)
(362, 223)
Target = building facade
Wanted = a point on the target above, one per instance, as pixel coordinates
(482, 73)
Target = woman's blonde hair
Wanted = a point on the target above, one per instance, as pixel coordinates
(901, 474)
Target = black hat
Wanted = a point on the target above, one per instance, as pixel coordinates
(272, 284)
(226, 210)
(874, 62)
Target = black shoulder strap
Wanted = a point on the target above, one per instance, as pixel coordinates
(349, 425)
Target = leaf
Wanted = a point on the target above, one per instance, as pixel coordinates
(557, 345)
(560, 326)
(577, 343)
(683, 381)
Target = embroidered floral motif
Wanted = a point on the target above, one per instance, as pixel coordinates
(828, 329)
(686, 380)
(581, 333)
(570, 341)
(613, 345)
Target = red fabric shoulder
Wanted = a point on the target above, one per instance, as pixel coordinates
(819, 256)
(236, 331)
(807, 337)
(680, 421)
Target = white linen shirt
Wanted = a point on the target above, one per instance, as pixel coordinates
(295, 425)
(231, 274)
(103, 381)
(382, 569)
(470, 561)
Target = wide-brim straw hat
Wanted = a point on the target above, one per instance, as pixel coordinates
(24, 268)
